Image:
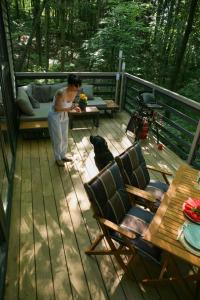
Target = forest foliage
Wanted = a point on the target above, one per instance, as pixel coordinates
(159, 38)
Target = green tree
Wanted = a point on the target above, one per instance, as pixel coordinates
(123, 28)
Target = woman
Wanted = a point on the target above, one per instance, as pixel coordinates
(58, 120)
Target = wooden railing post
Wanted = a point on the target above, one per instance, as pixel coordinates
(118, 77)
(194, 145)
(122, 85)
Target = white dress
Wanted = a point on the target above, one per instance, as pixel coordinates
(58, 123)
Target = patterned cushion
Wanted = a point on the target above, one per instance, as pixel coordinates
(55, 87)
(137, 220)
(158, 185)
(157, 189)
(133, 167)
(107, 194)
(41, 92)
(88, 91)
(34, 102)
(23, 102)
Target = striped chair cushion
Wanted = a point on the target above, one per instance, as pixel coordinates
(137, 220)
(157, 189)
(107, 194)
(133, 167)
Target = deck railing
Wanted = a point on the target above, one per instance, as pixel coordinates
(103, 82)
(178, 122)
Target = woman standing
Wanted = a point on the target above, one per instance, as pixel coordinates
(58, 120)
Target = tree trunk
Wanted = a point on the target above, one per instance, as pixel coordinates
(183, 45)
(38, 32)
(35, 21)
(17, 9)
(62, 35)
(47, 23)
(166, 44)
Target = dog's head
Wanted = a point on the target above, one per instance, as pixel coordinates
(99, 143)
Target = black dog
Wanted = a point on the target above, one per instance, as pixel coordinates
(102, 154)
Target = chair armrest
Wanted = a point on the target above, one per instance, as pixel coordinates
(164, 173)
(124, 232)
(141, 193)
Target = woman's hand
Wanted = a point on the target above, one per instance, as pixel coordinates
(77, 109)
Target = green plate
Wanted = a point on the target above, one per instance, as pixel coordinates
(192, 235)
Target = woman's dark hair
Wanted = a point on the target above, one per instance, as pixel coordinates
(74, 80)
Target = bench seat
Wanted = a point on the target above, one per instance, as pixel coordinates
(39, 119)
(30, 95)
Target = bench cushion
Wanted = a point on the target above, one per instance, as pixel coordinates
(39, 113)
(42, 112)
(55, 87)
(98, 102)
(41, 92)
(88, 91)
(23, 102)
(44, 93)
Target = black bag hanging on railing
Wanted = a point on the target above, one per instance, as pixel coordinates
(146, 104)
(135, 124)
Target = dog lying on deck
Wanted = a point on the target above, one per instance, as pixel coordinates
(102, 154)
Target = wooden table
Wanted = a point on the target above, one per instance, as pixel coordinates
(91, 111)
(164, 227)
(111, 107)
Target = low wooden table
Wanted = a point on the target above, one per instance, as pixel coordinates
(91, 111)
(163, 230)
(111, 107)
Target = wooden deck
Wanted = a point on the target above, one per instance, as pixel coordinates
(52, 224)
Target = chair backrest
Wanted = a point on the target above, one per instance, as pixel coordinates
(133, 166)
(107, 194)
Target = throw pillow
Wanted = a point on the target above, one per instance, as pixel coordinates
(34, 102)
(56, 87)
(88, 91)
(41, 92)
(23, 102)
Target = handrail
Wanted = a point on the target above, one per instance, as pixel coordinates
(104, 82)
(187, 101)
(182, 111)
(54, 75)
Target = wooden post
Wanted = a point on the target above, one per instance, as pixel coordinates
(118, 77)
(195, 142)
(122, 85)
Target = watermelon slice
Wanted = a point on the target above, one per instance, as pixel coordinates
(191, 208)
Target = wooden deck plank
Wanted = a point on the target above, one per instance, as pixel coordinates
(61, 281)
(44, 280)
(76, 270)
(52, 210)
(129, 289)
(12, 277)
(84, 205)
(26, 171)
(104, 263)
(76, 217)
(94, 280)
(27, 280)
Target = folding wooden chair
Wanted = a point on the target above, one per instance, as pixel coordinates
(123, 223)
(135, 174)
